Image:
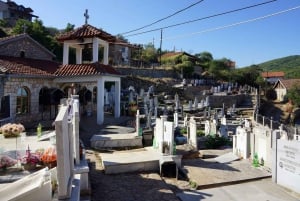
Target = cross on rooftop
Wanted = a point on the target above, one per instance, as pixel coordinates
(86, 15)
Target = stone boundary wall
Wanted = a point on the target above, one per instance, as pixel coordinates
(228, 100)
(147, 72)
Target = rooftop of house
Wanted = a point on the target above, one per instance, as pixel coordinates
(174, 54)
(26, 66)
(274, 74)
(19, 8)
(290, 83)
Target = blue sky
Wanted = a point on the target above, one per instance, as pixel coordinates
(248, 43)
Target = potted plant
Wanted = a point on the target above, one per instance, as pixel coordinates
(12, 130)
(30, 160)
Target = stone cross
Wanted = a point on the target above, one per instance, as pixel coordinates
(86, 15)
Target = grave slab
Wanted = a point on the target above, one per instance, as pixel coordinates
(109, 141)
(146, 159)
(227, 158)
(208, 173)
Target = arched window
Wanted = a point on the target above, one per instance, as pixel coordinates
(23, 100)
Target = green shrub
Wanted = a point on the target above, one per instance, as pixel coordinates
(200, 133)
(183, 130)
(215, 141)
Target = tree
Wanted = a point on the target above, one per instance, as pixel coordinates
(149, 53)
(35, 29)
(205, 59)
(70, 27)
(293, 94)
(121, 37)
(250, 76)
(3, 23)
(217, 68)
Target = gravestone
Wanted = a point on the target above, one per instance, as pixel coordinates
(175, 119)
(213, 128)
(64, 153)
(196, 103)
(192, 140)
(142, 92)
(241, 143)
(137, 123)
(206, 104)
(202, 103)
(164, 136)
(207, 127)
(190, 105)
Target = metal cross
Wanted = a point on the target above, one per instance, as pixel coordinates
(86, 15)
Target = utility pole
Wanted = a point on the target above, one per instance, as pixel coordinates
(160, 51)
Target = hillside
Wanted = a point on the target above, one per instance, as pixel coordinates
(290, 65)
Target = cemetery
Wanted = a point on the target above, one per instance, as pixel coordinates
(206, 144)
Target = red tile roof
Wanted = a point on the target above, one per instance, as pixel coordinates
(86, 69)
(86, 31)
(26, 66)
(171, 54)
(174, 54)
(290, 83)
(272, 74)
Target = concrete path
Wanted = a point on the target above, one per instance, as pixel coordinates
(261, 190)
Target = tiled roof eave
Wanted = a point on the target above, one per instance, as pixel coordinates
(14, 75)
(85, 69)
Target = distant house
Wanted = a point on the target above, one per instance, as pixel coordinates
(120, 52)
(272, 77)
(282, 86)
(173, 58)
(11, 12)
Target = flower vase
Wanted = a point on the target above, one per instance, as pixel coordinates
(29, 166)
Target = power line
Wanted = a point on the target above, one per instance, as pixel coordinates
(155, 22)
(203, 18)
(234, 24)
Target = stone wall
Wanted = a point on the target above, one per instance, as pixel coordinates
(30, 48)
(217, 100)
(34, 86)
(148, 72)
(228, 100)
